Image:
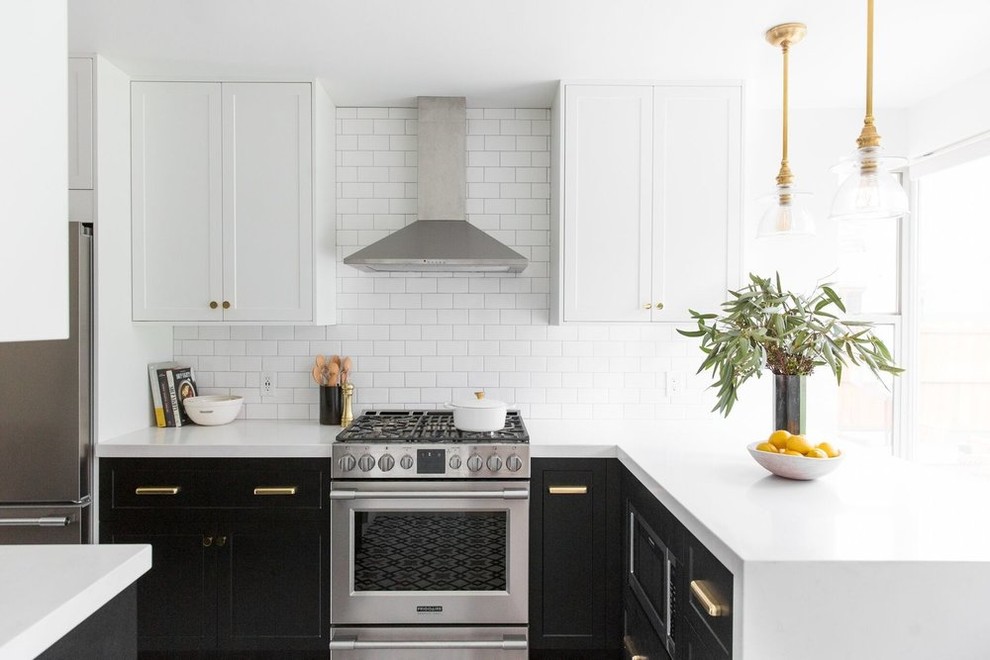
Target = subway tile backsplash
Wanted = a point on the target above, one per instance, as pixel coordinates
(419, 340)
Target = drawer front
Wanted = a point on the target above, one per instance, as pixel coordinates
(190, 484)
(708, 596)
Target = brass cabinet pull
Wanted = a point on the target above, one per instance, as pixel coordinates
(221, 541)
(157, 490)
(226, 304)
(708, 601)
(648, 306)
(659, 305)
(207, 541)
(213, 304)
(568, 490)
(275, 490)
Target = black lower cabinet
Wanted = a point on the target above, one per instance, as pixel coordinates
(678, 596)
(240, 554)
(575, 596)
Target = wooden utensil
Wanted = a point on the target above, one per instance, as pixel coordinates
(345, 370)
(320, 361)
(318, 376)
(334, 371)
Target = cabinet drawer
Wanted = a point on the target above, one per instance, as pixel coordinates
(709, 597)
(184, 484)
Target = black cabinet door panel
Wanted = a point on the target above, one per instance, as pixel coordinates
(273, 582)
(177, 597)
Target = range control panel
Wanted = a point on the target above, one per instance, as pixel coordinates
(430, 461)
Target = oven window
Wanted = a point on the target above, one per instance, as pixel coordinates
(430, 551)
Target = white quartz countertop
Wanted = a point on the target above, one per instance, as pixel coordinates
(873, 508)
(47, 590)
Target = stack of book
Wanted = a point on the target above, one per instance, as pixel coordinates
(171, 383)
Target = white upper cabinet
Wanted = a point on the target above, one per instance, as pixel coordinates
(223, 202)
(82, 134)
(648, 186)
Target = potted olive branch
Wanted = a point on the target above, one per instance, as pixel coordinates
(764, 326)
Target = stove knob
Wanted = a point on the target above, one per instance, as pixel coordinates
(455, 462)
(514, 463)
(386, 462)
(475, 463)
(346, 463)
(494, 463)
(366, 462)
(406, 462)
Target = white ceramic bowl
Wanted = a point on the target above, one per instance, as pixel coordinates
(213, 410)
(794, 467)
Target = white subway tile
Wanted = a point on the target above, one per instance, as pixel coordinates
(547, 379)
(515, 127)
(421, 379)
(390, 127)
(423, 316)
(406, 363)
(482, 127)
(228, 347)
(372, 113)
(345, 113)
(500, 113)
(180, 332)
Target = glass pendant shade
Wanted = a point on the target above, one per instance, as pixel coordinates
(786, 215)
(870, 191)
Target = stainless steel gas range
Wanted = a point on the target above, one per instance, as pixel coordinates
(429, 539)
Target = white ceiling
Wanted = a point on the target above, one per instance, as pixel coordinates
(511, 52)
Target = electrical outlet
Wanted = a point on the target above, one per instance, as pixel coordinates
(675, 382)
(267, 384)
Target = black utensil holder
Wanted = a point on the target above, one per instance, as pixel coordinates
(331, 405)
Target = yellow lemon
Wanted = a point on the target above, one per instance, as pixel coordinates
(829, 450)
(816, 453)
(791, 452)
(766, 446)
(799, 444)
(779, 439)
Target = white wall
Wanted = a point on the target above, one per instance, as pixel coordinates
(123, 348)
(956, 114)
(423, 340)
(34, 254)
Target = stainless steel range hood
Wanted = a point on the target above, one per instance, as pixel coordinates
(441, 239)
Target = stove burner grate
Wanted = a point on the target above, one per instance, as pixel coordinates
(427, 426)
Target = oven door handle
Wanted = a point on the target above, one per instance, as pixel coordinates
(502, 494)
(507, 643)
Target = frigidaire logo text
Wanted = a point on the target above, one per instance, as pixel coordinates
(429, 608)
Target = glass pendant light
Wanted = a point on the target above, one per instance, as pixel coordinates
(870, 191)
(786, 214)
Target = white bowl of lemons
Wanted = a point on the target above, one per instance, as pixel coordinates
(794, 457)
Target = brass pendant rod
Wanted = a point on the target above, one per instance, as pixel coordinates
(869, 137)
(785, 176)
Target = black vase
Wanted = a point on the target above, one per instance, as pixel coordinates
(788, 403)
(330, 405)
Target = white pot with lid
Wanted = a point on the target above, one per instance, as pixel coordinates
(479, 414)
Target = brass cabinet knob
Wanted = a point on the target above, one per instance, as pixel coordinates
(207, 541)
(226, 304)
(648, 306)
(213, 304)
(659, 305)
(221, 541)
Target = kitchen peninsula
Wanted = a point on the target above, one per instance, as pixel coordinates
(77, 600)
(831, 567)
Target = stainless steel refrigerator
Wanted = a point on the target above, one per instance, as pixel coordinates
(46, 420)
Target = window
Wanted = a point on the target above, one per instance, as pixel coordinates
(951, 318)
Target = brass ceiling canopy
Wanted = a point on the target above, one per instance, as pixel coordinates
(791, 33)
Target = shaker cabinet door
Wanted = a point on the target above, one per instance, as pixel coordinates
(607, 214)
(176, 201)
(267, 202)
(696, 204)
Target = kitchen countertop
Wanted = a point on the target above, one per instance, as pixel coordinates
(50, 589)
(892, 555)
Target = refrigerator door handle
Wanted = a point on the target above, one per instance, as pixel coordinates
(46, 521)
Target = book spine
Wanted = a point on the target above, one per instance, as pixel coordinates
(173, 398)
(166, 404)
(156, 397)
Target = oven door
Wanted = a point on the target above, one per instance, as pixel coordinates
(429, 552)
